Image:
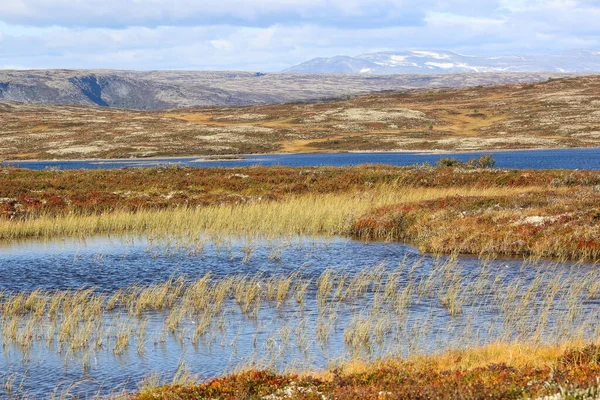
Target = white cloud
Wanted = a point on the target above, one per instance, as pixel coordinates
(221, 44)
(121, 13)
(270, 35)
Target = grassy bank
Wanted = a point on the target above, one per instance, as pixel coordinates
(25, 193)
(545, 223)
(500, 371)
(478, 211)
(326, 214)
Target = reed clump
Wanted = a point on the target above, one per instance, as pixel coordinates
(413, 309)
(328, 214)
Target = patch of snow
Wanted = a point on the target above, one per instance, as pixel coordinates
(398, 58)
(431, 54)
(478, 68)
(395, 61)
(473, 68)
(465, 55)
(365, 70)
(440, 65)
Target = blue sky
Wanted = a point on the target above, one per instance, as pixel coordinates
(270, 35)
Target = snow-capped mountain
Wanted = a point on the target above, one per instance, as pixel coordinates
(428, 61)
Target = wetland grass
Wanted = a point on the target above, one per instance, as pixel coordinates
(376, 311)
(434, 318)
(328, 214)
(524, 221)
(441, 210)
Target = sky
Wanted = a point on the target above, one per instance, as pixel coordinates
(271, 35)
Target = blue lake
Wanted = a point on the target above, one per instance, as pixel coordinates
(412, 303)
(520, 159)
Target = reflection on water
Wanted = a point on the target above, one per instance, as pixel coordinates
(153, 307)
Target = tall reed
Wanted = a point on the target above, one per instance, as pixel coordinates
(326, 214)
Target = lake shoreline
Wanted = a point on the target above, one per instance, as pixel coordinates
(239, 157)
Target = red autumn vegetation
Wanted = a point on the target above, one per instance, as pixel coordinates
(573, 374)
(557, 215)
(549, 223)
(25, 193)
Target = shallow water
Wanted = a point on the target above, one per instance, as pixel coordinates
(112, 263)
(518, 159)
(283, 336)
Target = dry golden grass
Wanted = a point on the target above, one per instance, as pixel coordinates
(327, 214)
(515, 354)
(569, 375)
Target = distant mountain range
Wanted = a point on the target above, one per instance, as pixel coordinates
(429, 62)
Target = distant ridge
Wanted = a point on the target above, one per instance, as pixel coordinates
(436, 62)
(157, 90)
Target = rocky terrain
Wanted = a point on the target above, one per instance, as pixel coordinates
(442, 62)
(555, 113)
(156, 90)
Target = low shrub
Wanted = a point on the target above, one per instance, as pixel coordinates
(484, 161)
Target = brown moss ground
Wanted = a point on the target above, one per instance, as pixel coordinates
(27, 193)
(546, 224)
(553, 114)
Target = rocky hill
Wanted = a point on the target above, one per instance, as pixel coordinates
(155, 90)
(551, 114)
